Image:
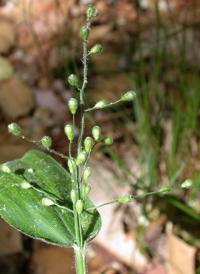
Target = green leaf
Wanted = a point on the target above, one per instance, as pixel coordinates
(23, 209)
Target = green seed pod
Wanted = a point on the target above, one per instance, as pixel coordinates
(73, 80)
(88, 144)
(96, 49)
(71, 166)
(90, 11)
(46, 141)
(188, 183)
(5, 168)
(73, 104)
(126, 199)
(165, 190)
(86, 174)
(73, 196)
(85, 33)
(14, 129)
(79, 206)
(69, 132)
(86, 189)
(95, 13)
(96, 132)
(101, 104)
(25, 185)
(129, 96)
(47, 202)
(107, 141)
(81, 158)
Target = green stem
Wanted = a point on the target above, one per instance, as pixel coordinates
(80, 231)
(76, 222)
(109, 203)
(81, 267)
(80, 247)
(136, 196)
(82, 90)
(70, 144)
(48, 149)
(108, 105)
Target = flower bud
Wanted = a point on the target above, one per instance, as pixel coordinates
(85, 33)
(71, 165)
(188, 183)
(47, 202)
(86, 189)
(101, 104)
(73, 105)
(96, 132)
(79, 206)
(88, 144)
(5, 168)
(14, 129)
(73, 196)
(46, 141)
(129, 96)
(95, 13)
(107, 141)
(86, 174)
(73, 80)
(126, 199)
(90, 11)
(165, 190)
(69, 132)
(25, 185)
(81, 158)
(96, 49)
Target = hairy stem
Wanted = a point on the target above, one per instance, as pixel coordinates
(80, 248)
(82, 92)
(81, 267)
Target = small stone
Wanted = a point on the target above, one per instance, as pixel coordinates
(7, 36)
(6, 69)
(16, 98)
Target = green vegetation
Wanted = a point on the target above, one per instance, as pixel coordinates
(36, 189)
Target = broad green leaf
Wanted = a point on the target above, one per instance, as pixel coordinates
(23, 208)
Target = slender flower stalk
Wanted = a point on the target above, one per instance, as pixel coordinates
(83, 222)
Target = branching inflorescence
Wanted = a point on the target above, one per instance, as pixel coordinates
(79, 188)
